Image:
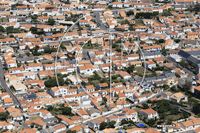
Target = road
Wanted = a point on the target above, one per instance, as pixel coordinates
(184, 69)
(118, 110)
(4, 86)
(96, 15)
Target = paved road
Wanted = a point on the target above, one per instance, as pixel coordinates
(98, 20)
(4, 85)
(184, 69)
(118, 110)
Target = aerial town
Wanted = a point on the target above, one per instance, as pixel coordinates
(99, 66)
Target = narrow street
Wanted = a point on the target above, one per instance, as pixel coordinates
(4, 86)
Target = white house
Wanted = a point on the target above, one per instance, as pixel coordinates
(149, 113)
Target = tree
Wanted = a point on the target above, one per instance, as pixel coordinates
(50, 108)
(83, 83)
(145, 106)
(71, 131)
(105, 99)
(187, 86)
(151, 122)
(19, 64)
(67, 111)
(33, 30)
(110, 7)
(118, 49)
(51, 21)
(103, 125)
(2, 29)
(196, 108)
(177, 40)
(68, 2)
(3, 116)
(124, 122)
(142, 42)
(130, 69)
(52, 82)
(129, 13)
(111, 124)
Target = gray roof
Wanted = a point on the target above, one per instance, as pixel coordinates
(161, 77)
(48, 130)
(189, 55)
(31, 96)
(169, 75)
(25, 59)
(150, 78)
(161, 82)
(193, 42)
(93, 110)
(146, 53)
(96, 121)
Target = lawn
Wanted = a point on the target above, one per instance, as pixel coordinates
(140, 71)
(139, 22)
(173, 117)
(35, 117)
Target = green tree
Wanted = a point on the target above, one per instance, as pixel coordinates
(111, 124)
(52, 82)
(130, 69)
(145, 106)
(105, 99)
(51, 21)
(103, 125)
(71, 131)
(187, 85)
(33, 30)
(2, 29)
(177, 40)
(151, 122)
(124, 122)
(19, 64)
(67, 111)
(3, 116)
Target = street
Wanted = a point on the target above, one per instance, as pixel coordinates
(184, 69)
(4, 85)
(98, 20)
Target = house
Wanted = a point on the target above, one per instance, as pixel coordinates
(95, 123)
(8, 101)
(167, 95)
(57, 91)
(59, 128)
(67, 121)
(96, 33)
(187, 125)
(34, 67)
(124, 75)
(159, 60)
(83, 113)
(101, 86)
(93, 112)
(121, 103)
(87, 69)
(149, 113)
(83, 22)
(90, 88)
(191, 43)
(117, 5)
(177, 97)
(80, 128)
(131, 114)
(149, 64)
(192, 35)
(197, 90)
